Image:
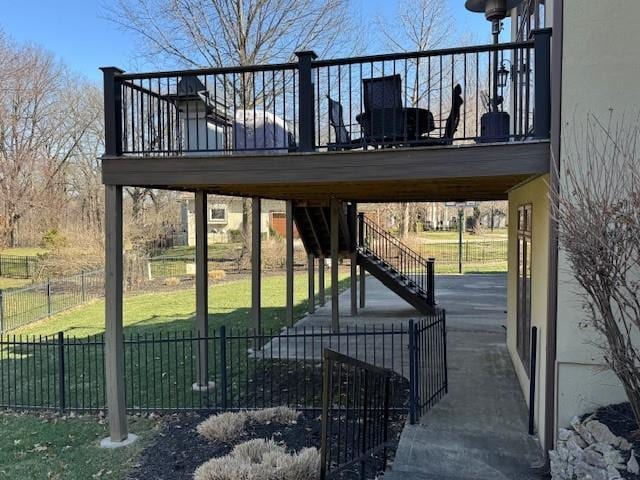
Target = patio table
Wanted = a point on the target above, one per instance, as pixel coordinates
(395, 124)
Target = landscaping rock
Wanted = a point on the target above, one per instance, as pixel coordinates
(632, 464)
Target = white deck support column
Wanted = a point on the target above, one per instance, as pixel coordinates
(289, 262)
(336, 211)
(113, 338)
(312, 286)
(202, 290)
(256, 257)
(321, 292)
(360, 233)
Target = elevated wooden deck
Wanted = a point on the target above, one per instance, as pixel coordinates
(459, 172)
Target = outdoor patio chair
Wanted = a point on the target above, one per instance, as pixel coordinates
(451, 125)
(343, 139)
(384, 117)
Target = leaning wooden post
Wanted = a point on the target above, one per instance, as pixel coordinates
(312, 286)
(256, 256)
(202, 291)
(321, 292)
(289, 261)
(114, 336)
(336, 207)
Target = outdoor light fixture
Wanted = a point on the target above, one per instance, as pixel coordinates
(503, 74)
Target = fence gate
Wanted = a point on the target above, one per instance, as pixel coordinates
(427, 364)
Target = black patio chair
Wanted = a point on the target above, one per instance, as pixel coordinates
(384, 117)
(451, 125)
(343, 138)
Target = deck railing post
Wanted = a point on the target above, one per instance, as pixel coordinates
(542, 77)
(112, 111)
(306, 129)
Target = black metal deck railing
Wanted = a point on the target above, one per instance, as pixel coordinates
(400, 99)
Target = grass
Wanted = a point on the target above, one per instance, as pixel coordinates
(8, 283)
(23, 251)
(497, 234)
(216, 250)
(51, 447)
(472, 267)
(229, 304)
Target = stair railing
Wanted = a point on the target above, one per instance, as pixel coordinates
(414, 269)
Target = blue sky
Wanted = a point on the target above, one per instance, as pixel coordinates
(76, 32)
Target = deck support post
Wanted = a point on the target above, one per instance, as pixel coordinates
(360, 237)
(312, 286)
(353, 279)
(256, 256)
(114, 338)
(321, 292)
(202, 290)
(336, 207)
(289, 262)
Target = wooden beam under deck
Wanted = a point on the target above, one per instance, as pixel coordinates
(474, 172)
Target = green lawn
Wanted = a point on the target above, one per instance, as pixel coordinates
(475, 267)
(6, 283)
(497, 234)
(229, 304)
(55, 448)
(216, 250)
(23, 251)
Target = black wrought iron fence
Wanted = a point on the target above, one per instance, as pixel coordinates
(355, 416)
(14, 266)
(428, 377)
(471, 251)
(249, 370)
(22, 306)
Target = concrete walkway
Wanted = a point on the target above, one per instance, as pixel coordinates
(479, 430)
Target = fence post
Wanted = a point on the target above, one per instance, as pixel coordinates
(542, 96)
(306, 142)
(61, 387)
(431, 294)
(412, 374)
(444, 340)
(1, 311)
(48, 297)
(223, 366)
(26, 265)
(82, 286)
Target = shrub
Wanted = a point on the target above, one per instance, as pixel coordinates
(262, 459)
(217, 275)
(274, 415)
(223, 427)
(171, 281)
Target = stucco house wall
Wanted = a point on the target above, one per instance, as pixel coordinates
(534, 193)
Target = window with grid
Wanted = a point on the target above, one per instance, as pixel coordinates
(523, 335)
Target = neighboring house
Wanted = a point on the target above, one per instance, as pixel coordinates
(225, 217)
(570, 58)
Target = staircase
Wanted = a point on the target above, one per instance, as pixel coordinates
(383, 255)
(397, 266)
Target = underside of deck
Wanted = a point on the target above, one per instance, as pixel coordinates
(460, 172)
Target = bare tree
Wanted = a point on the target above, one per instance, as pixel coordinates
(214, 33)
(42, 123)
(598, 211)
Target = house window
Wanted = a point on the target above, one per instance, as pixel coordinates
(218, 214)
(531, 16)
(523, 335)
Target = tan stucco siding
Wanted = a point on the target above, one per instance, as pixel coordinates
(600, 71)
(536, 194)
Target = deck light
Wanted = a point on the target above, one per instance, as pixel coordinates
(503, 74)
